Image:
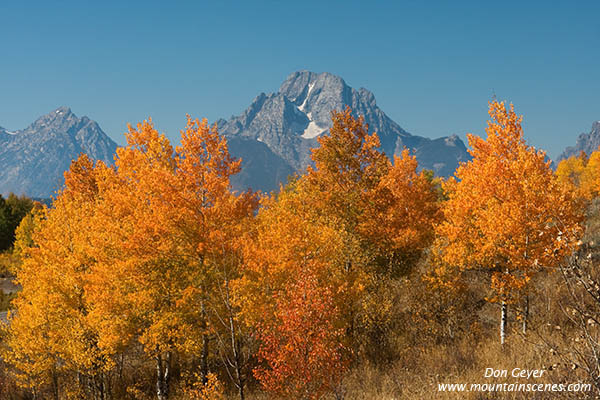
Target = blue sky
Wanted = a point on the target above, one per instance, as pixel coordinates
(432, 66)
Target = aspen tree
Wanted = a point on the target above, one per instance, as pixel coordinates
(506, 213)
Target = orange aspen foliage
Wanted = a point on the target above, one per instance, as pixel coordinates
(311, 224)
(286, 239)
(289, 240)
(506, 212)
(352, 211)
(348, 167)
(131, 255)
(389, 209)
(301, 346)
(401, 213)
(294, 249)
(166, 221)
(50, 332)
(167, 218)
(385, 215)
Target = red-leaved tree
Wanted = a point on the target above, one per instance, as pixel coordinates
(301, 347)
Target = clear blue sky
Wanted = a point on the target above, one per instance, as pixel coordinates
(432, 66)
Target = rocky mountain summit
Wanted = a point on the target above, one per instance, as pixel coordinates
(273, 137)
(33, 160)
(288, 123)
(587, 142)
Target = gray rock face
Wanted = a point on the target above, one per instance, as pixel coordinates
(33, 160)
(261, 168)
(587, 142)
(273, 137)
(288, 123)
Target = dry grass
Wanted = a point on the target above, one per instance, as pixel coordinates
(420, 365)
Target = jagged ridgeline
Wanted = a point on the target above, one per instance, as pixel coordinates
(32, 160)
(273, 137)
(586, 142)
(285, 126)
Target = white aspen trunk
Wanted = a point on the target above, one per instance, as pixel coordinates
(160, 391)
(503, 321)
(159, 372)
(236, 346)
(237, 359)
(162, 377)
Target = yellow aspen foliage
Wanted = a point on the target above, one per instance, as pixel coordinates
(506, 212)
(400, 214)
(132, 226)
(286, 239)
(581, 174)
(168, 220)
(50, 332)
(570, 171)
(348, 167)
(354, 219)
(212, 389)
(25, 230)
(128, 257)
(389, 209)
(590, 182)
(143, 272)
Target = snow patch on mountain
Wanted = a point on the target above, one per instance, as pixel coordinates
(303, 105)
(289, 121)
(312, 130)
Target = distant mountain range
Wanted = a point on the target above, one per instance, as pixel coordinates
(284, 126)
(273, 137)
(586, 142)
(33, 160)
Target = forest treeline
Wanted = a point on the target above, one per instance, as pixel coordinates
(12, 210)
(362, 277)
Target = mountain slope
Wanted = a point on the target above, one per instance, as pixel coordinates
(288, 123)
(32, 160)
(273, 137)
(261, 168)
(587, 142)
